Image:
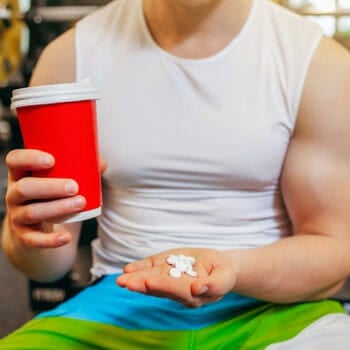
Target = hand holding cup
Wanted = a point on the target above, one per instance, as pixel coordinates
(60, 119)
(33, 201)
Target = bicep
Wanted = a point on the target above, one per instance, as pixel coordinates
(56, 63)
(316, 175)
(316, 189)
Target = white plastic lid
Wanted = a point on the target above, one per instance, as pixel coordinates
(55, 93)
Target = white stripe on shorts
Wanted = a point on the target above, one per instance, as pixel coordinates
(329, 332)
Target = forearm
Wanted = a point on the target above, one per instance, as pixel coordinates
(38, 263)
(297, 268)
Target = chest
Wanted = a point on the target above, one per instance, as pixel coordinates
(183, 128)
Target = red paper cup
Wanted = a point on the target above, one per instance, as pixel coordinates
(61, 119)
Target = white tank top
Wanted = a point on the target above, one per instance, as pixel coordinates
(194, 147)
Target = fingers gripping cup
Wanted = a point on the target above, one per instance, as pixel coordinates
(61, 119)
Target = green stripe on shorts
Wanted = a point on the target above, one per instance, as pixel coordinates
(254, 329)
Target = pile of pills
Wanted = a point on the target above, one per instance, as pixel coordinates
(181, 264)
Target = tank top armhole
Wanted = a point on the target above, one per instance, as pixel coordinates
(304, 72)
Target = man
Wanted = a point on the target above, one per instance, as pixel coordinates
(225, 129)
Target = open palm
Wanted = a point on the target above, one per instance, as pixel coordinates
(216, 276)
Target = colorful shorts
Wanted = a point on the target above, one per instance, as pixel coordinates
(105, 316)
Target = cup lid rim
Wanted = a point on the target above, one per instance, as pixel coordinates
(54, 93)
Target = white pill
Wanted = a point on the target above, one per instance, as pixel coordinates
(174, 272)
(191, 273)
(172, 259)
(182, 266)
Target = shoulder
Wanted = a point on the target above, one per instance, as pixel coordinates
(56, 63)
(331, 61)
(325, 104)
(329, 54)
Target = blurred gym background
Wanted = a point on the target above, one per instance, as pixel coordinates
(26, 27)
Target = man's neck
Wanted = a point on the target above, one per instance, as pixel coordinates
(195, 31)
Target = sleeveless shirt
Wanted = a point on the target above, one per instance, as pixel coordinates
(195, 147)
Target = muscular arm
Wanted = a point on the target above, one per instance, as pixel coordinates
(41, 256)
(315, 261)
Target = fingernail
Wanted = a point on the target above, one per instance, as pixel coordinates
(71, 187)
(78, 203)
(203, 290)
(61, 239)
(46, 160)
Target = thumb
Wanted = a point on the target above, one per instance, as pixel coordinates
(219, 282)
